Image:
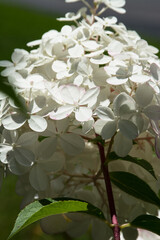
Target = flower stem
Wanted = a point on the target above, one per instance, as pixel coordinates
(104, 166)
(87, 4)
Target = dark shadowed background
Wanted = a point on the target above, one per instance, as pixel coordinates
(142, 15)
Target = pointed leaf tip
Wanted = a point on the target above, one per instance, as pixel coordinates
(47, 207)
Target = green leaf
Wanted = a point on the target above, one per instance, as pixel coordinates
(6, 88)
(47, 207)
(147, 222)
(139, 161)
(41, 138)
(134, 186)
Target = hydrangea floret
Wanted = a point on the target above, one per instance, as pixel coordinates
(90, 89)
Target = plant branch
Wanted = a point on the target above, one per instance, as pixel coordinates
(106, 158)
(104, 166)
(87, 4)
(102, 11)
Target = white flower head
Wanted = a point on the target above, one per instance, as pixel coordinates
(91, 84)
(75, 99)
(19, 62)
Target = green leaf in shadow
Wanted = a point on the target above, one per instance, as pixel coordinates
(6, 88)
(134, 186)
(147, 222)
(139, 161)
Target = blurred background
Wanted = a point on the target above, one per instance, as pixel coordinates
(22, 21)
(25, 20)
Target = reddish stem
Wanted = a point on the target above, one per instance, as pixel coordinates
(116, 229)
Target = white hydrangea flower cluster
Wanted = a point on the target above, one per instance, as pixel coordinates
(95, 78)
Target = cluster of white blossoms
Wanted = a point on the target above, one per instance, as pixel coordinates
(94, 78)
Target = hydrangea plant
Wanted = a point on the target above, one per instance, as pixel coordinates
(92, 94)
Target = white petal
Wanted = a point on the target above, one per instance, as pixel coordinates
(8, 71)
(62, 125)
(66, 30)
(139, 78)
(91, 45)
(28, 138)
(99, 78)
(138, 120)
(83, 114)
(120, 100)
(18, 55)
(55, 94)
(115, 47)
(116, 81)
(153, 84)
(90, 97)
(87, 126)
(34, 43)
(76, 52)
(99, 124)
(5, 148)
(70, 16)
(13, 122)
(94, 54)
(70, 94)
(105, 113)
(47, 147)
(122, 145)
(34, 79)
(71, 143)
(109, 129)
(6, 64)
(144, 234)
(144, 95)
(37, 123)
(24, 156)
(119, 10)
(155, 127)
(21, 65)
(71, 1)
(78, 80)
(117, 3)
(127, 109)
(38, 178)
(17, 168)
(10, 136)
(63, 74)
(37, 104)
(102, 59)
(84, 68)
(2, 97)
(59, 66)
(128, 128)
(61, 112)
(154, 70)
(16, 77)
(152, 112)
